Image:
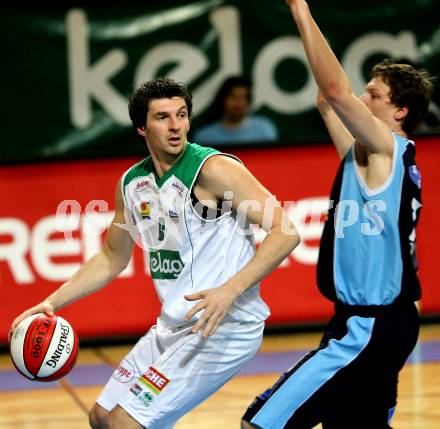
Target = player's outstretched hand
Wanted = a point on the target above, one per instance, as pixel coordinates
(43, 307)
(215, 304)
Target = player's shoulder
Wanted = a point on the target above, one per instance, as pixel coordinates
(139, 169)
(221, 167)
(222, 161)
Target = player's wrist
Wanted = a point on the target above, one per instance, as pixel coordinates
(237, 287)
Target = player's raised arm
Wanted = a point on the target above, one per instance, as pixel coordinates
(97, 272)
(368, 130)
(341, 137)
(222, 175)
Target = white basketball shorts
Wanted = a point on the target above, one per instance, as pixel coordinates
(168, 373)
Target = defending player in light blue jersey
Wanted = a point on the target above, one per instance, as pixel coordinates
(367, 264)
(191, 209)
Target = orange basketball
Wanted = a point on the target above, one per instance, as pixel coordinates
(44, 348)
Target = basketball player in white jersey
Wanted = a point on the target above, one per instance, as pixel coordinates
(191, 208)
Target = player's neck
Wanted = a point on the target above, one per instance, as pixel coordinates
(163, 162)
(398, 130)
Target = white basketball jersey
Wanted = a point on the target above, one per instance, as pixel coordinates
(187, 253)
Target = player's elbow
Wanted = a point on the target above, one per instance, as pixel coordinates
(119, 264)
(116, 261)
(294, 240)
(335, 91)
(289, 233)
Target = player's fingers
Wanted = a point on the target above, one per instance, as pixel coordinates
(17, 320)
(210, 327)
(214, 328)
(47, 308)
(194, 296)
(214, 324)
(44, 307)
(204, 318)
(191, 313)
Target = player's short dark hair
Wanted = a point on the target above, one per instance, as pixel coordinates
(409, 87)
(161, 87)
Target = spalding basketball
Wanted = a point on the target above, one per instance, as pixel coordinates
(44, 348)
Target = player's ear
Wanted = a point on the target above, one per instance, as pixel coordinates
(141, 131)
(401, 113)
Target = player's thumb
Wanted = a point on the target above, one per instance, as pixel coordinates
(47, 308)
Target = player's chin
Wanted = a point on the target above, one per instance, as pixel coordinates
(176, 146)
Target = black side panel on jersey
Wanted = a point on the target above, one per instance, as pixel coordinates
(325, 276)
(408, 218)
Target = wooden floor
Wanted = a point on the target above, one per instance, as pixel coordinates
(65, 406)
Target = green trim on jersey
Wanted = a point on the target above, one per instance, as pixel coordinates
(185, 168)
(138, 170)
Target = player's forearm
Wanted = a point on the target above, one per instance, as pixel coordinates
(341, 137)
(325, 67)
(276, 246)
(92, 276)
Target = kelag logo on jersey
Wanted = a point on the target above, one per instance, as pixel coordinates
(165, 264)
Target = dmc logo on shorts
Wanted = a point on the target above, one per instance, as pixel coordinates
(154, 380)
(165, 264)
(124, 373)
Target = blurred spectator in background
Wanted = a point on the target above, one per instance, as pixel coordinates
(231, 120)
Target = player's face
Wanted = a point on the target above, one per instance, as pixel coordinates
(376, 98)
(167, 125)
(237, 103)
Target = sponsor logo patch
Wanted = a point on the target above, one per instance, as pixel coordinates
(154, 380)
(165, 264)
(146, 398)
(178, 187)
(145, 209)
(124, 373)
(141, 185)
(174, 215)
(136, 389)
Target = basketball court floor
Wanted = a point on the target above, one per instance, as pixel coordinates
(64, 404)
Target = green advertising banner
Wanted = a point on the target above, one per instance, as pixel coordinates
(67, 72)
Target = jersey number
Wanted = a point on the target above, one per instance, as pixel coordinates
(161, 235)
